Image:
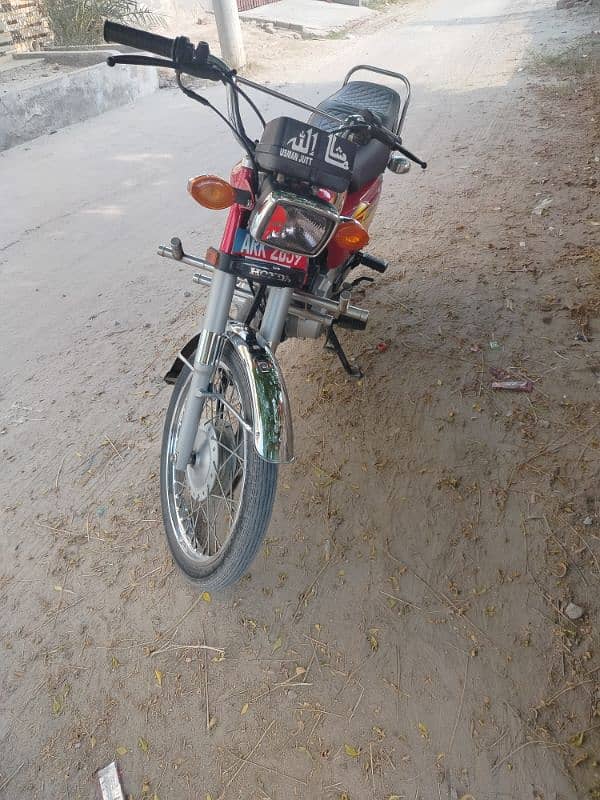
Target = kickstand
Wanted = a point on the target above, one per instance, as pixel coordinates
(333, 343)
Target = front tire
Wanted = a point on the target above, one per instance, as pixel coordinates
(216, 513)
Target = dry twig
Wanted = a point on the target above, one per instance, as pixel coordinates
(246, 759)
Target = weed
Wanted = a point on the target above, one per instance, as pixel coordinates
(76, 22)
(580, 59)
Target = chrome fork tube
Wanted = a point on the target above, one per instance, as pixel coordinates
(276, 311)
(208, 351)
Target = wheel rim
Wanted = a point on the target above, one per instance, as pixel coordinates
(204, 500)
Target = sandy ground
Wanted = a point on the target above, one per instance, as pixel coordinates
(405, 631)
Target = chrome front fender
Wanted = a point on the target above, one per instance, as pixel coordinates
(271, 417)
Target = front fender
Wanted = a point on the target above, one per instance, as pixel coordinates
(271, 417)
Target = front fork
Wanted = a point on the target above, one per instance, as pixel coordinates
(208, 351)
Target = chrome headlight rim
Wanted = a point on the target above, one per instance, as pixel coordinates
(266, 205)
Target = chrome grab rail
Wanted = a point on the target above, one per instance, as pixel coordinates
(390, 74)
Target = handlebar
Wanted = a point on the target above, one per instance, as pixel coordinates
(394, 142)
(140, 40)
(179, 53)
(370, 123)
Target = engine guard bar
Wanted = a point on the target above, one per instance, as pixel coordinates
(330, 309)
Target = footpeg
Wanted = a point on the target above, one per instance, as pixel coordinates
(377, 264)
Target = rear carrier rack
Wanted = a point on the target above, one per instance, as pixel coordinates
(304, 151)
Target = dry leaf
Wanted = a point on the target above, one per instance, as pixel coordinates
(114, 662)
(351, 751)
(121, 751)
(211, 723)
(143, 744)
(245, 708)
(394, 797)
(577, 740)
(57, 705)
(373, 641)
(92, 742)
(423, 730)
(206, 597)
(159, 676)
(278, 643)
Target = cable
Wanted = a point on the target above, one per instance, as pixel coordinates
(242, 139)
(251, 104)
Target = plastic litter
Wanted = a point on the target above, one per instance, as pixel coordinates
(542, 207)
(513, 386)
(109, 782)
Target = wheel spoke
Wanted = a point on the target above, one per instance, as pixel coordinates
(206, 497)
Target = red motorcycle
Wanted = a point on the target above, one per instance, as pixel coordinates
(300, 202)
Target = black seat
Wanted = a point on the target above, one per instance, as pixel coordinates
(354, 97)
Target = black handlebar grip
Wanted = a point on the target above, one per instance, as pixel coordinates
(140, 40)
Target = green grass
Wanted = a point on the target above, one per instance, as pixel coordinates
(379, 4)
(580, 59)
(339, 34)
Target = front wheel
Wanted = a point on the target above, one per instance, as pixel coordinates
(217, 511)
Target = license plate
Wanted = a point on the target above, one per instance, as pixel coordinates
(246, 245)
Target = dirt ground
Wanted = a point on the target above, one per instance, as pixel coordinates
(406, 630)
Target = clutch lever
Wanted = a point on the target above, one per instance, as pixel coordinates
(141, 61)
(389, 138)
(411, 156)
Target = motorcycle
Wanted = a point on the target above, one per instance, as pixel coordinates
(300, 202)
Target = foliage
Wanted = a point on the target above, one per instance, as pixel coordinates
(78, 22)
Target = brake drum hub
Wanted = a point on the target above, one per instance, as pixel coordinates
(202, 471)
(213, 466)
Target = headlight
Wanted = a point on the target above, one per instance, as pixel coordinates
(293, 223)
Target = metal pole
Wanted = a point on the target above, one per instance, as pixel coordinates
(230, 32)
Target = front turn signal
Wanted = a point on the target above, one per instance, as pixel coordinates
(212, 192)
(350, 235)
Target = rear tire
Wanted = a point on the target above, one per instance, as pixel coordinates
(252, 491)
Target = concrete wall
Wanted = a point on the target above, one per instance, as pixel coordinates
(26, 113)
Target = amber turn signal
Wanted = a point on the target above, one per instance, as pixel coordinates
(350, 235)
(212, 192)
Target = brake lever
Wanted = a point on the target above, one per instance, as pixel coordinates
(141, 61)
(199, 70)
